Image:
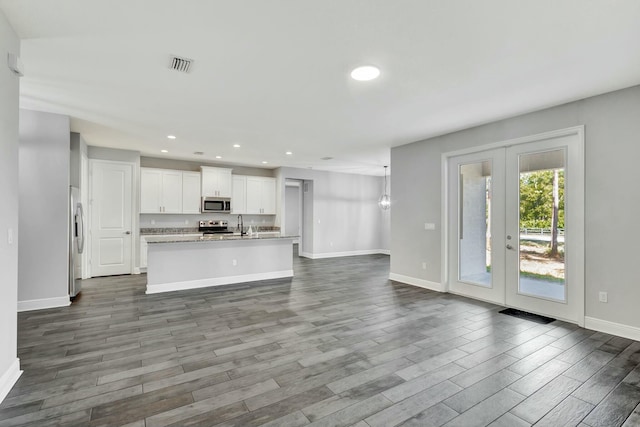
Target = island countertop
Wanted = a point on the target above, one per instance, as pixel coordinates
(215, 238)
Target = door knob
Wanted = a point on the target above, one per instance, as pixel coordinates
(127, 232)
(509, 247)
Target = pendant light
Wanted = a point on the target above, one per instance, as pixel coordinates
(384, 201)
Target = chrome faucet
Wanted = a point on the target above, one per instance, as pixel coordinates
(241, 225)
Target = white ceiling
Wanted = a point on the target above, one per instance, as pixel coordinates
(274, 75)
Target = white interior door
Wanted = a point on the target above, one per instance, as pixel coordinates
(516, 226)
(111, 215)
(476, 215)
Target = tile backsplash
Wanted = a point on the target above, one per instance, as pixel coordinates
(190, 221)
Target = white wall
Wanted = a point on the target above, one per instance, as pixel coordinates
(612, 146)
(44, 210)
(9, 89)
(346, 216)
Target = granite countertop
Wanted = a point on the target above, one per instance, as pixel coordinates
(215, 238)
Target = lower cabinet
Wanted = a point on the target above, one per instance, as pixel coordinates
(143, 252)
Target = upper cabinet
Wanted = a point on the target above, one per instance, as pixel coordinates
(239, 194)
(260, 195)
(169, 191)
(191, 192)
(216, 182)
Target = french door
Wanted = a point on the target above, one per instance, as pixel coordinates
(516, 226)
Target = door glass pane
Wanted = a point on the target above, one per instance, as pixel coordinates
(474, 234)
(541, 237)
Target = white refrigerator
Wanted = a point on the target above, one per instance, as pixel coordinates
(76, 241)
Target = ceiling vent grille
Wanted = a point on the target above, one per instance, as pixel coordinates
(181, 64)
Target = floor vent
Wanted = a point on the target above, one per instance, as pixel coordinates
(527, 316)
(181, 64)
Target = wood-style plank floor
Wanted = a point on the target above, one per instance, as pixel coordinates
(338, 345)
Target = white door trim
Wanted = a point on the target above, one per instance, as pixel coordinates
(444, 198)
(134, 209)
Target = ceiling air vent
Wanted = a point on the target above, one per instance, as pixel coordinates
(180, 64)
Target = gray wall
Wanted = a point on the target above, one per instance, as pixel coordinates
(292, 217)
(346, 216)
(9, 87)
(187, 165)
(78, 146)
(612, 146)
(44, 206)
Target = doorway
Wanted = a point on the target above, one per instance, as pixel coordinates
(515, 233)
(111, 216)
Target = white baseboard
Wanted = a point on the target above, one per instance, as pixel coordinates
(343, 254)
(612, 328)
(9, 378)
(229, 280)
(41, 304)
(433, 286)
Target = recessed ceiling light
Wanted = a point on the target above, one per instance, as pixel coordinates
(236, 145)
(218, 157)
(264, 162)
(164, 151)
(289, 153)
(171, 136)
(365, 73)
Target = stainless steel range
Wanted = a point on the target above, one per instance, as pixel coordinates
(214, 227)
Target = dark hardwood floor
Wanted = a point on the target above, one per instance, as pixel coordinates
(338, 345)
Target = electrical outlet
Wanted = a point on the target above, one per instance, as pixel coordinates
(429, 226)
(153, 222)
(234, 262)
(424, 265)
(604, 297)
(186, 222)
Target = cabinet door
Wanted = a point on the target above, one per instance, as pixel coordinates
(172, 192)
(269, 196)
(224, 182)
(143, 252)
(254, 195)
(239, 194)
(150, 190)
(190, 192)
(209, 182)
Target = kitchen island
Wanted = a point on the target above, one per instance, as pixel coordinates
(189, 262)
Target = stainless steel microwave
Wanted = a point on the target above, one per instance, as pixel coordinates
(216, 204)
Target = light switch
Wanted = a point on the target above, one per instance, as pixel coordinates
(429, 226)
(10, 236)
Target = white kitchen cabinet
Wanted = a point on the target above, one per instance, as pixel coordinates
(160, 191)
(171, 191)
(191, 192)
(143, 252)
(260, 195)
(216, 182)
(239, 194)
